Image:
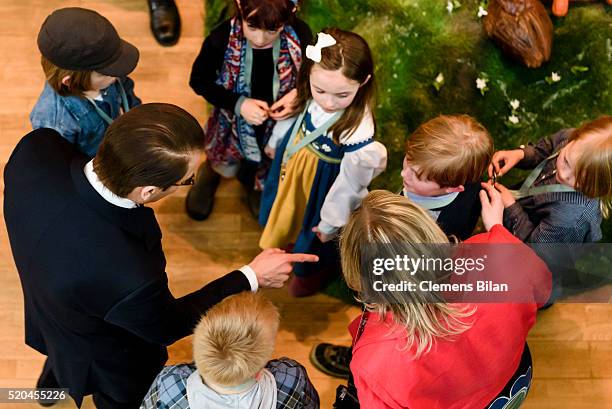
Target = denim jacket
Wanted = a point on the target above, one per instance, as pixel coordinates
(76, 119)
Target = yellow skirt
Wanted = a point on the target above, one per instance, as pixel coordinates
(287, 214)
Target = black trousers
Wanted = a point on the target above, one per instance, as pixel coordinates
(101, 400)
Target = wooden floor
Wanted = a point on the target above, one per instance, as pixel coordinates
(571, 344)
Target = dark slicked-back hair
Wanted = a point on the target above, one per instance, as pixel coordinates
(150, 145)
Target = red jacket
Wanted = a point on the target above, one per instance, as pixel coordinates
(466, 372)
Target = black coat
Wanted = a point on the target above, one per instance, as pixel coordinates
(93, 275)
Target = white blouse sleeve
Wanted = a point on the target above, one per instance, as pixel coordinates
(279, 131)
(357, 170)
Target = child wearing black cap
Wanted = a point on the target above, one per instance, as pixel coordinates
(86, 65)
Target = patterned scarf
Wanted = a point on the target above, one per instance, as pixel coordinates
(229, 138)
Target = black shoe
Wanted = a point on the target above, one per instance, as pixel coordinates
(165, 21)
(47, 403)
(201, 196)
(254, 200)
(334, 360)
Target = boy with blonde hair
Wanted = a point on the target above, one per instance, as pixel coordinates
(232, 346)
(445, 159)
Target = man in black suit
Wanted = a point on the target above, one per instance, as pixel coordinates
(90, 259)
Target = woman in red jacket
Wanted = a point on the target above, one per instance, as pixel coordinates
(412, 353)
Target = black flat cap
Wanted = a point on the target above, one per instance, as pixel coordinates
(82, 40)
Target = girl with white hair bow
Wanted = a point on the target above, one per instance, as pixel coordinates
(324, 158)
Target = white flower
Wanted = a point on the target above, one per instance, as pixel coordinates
(555, 77)
(440, 78)
(513, 119)
(481, 83)
(482, 12)
(515, 103)
(449, 6)
(326, 147)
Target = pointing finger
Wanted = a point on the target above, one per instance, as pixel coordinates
(301, 258)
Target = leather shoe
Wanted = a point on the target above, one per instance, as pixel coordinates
(165, 21)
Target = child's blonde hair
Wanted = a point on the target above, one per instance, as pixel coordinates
(80, 81)
(393, 220)
(235, 339)
(593, 169)
(450, 150)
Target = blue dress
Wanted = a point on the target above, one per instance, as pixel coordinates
(328, 156)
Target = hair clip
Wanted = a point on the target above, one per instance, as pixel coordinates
(314, 51)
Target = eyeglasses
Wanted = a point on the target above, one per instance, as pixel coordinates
(187, 182)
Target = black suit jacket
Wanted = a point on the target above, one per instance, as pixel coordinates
(96, 293)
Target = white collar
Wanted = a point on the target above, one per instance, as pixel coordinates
(261, 394)
(103, 190)
(318, 116)
(432, 202)
(364, 131)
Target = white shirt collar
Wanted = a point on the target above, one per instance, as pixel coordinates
(364, 131)
(103, 190)
(317, 115)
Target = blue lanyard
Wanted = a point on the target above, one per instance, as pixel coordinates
(104, 115)
(527, 188)
(292, 148)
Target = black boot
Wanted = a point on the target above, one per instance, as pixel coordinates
(165, 21)
(254, 200)
(201, 196)
(246, 176)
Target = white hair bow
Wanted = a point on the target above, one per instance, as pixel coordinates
(314, 51)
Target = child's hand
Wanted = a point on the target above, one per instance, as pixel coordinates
(503, 161)
(269, 151)
(254, 111)
(323, 237)
(283, 108)
(506, 197)
(492, 206)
